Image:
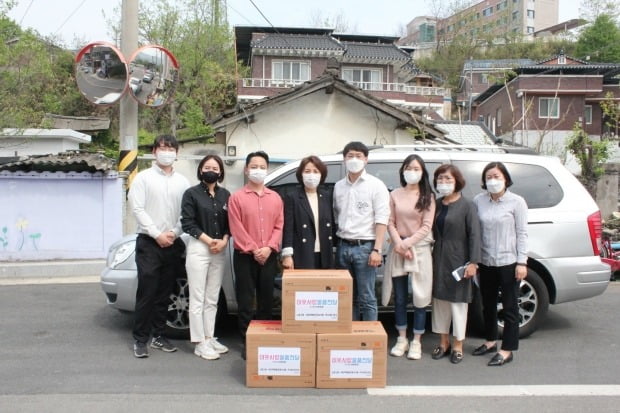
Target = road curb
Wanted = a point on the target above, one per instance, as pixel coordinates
(51, 269)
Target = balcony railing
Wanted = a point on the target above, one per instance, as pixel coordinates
(369, 86)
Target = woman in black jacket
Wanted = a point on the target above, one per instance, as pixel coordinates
(307, 241)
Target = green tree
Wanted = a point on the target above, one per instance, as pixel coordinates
(196, 32)
(591, 156)
(600, 41)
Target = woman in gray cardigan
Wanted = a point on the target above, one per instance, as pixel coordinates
(457, 246)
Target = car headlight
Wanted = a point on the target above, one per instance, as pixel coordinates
(120, 254)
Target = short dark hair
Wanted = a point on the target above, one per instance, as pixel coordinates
(317, 162)
(426, 193)
(261, 154)
(456, 174)
(166, 140)
(355, 146)
(204, 160)
(502, 169)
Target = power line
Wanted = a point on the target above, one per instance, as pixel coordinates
(261, 13)
(26, 12)
(240, 15)
(70, 15)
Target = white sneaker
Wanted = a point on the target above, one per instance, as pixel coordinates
(415, 351)
(402, 344)
(217, 346)
(206, 351)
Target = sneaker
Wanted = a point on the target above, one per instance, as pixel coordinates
(217, 346)
(140, 350)
(415, 351)
(163, 344)
(206, 351)
(402, 345)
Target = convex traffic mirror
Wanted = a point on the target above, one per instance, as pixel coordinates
(101, 73)
(153, 75)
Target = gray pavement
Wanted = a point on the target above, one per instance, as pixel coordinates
(50, 269)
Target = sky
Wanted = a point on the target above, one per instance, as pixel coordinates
(84, 19)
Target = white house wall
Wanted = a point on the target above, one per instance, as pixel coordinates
(59, 215)
(317, 124)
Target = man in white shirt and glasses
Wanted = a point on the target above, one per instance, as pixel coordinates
(361, 211)
(155, 199)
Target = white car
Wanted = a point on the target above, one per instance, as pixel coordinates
(136, 85)
(108, 99)
(564, 233)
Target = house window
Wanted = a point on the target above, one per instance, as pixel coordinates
(498, 117)
(367, 79)
(588, 114)
(290, 72)
(562, 60)
(530, 30)
(515, 15)
(549, 108)
(484, 78)
(488, 11)
(530, 14)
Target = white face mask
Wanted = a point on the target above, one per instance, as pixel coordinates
(495, 186)
(412, 177)
(257, 175)
(311, 180)
(354, 165)
(445, 189)
(165, 158)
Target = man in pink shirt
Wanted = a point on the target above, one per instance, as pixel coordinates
(256, 217)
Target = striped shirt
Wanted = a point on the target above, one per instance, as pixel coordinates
(504, 229)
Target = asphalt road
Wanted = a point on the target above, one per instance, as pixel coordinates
(64, 350)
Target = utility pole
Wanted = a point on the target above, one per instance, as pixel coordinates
(128, 159)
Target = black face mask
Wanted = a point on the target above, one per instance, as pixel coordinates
(210, 177)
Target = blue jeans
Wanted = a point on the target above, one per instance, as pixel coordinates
(401, 295)
(355, 259)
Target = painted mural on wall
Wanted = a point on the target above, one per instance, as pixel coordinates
(59, 216)
(21, 239)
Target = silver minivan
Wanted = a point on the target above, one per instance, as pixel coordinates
(564, 231)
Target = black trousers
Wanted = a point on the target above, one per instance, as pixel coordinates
(251, 278)
(157, 270)
(492, 281)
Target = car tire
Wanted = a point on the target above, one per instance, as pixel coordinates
(533, 306)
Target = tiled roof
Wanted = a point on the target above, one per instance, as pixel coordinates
(496, 63)
(63, 162)
(374, 51)
(467, 133)
(297, 41)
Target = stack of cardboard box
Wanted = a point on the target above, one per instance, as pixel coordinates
(316, 344)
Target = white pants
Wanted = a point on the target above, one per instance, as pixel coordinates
(445, 312)
(204, 277)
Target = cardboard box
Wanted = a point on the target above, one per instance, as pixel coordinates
(357, 360)
(275, 359)
(317, 301)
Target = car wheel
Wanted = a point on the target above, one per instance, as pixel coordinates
(533, 306)
(177, 321)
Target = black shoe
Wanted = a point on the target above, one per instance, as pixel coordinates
(140, 350)
(483, 349)
(499, 360)
(456, 357)
(439, 353)
(163, 344)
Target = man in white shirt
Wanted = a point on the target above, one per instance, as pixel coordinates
(361, 211)
(155, 198)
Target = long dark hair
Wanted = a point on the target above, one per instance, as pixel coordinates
(426, 192)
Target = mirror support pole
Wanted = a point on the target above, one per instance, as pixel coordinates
(128, 139)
